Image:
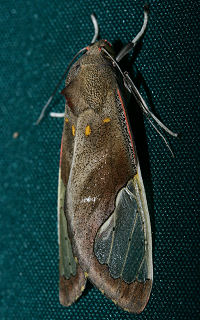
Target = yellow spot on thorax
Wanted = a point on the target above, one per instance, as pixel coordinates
(87, 131)
(106, 120)
(66, 120)
(82, 288)
(86, 274)
(76, 259)
(73, 130)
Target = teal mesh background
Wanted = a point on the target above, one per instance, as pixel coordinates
(38, 39)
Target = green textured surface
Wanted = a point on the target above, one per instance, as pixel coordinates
(38, 39)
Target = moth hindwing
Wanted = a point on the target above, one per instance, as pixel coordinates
(104, 224)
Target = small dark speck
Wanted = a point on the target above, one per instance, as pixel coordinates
(65, 238)
(113, 228)
(69, 264)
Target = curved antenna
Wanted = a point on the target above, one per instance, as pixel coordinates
(129, 46)
(57, 86)
(96, 28)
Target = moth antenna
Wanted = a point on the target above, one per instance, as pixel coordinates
(57, 86)
(160, 134)
(96, 28)
(129, 46)
(57, 114)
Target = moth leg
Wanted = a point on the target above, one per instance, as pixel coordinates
(41, 116)
(96, 28)
(57, 114)
(129, 46)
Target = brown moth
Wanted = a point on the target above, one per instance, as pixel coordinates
(103, 218)
(104, 225)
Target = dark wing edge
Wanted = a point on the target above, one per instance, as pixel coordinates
(72, 280)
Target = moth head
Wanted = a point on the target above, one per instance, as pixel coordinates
(97, 47)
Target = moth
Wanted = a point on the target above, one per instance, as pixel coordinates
(103, 219)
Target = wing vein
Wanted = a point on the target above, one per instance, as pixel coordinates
(130, 237)
(113, 236)
(141, 265)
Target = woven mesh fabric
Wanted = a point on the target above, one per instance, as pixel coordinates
(38, 39)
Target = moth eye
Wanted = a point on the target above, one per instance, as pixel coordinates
(107, 42)
(73, 130)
